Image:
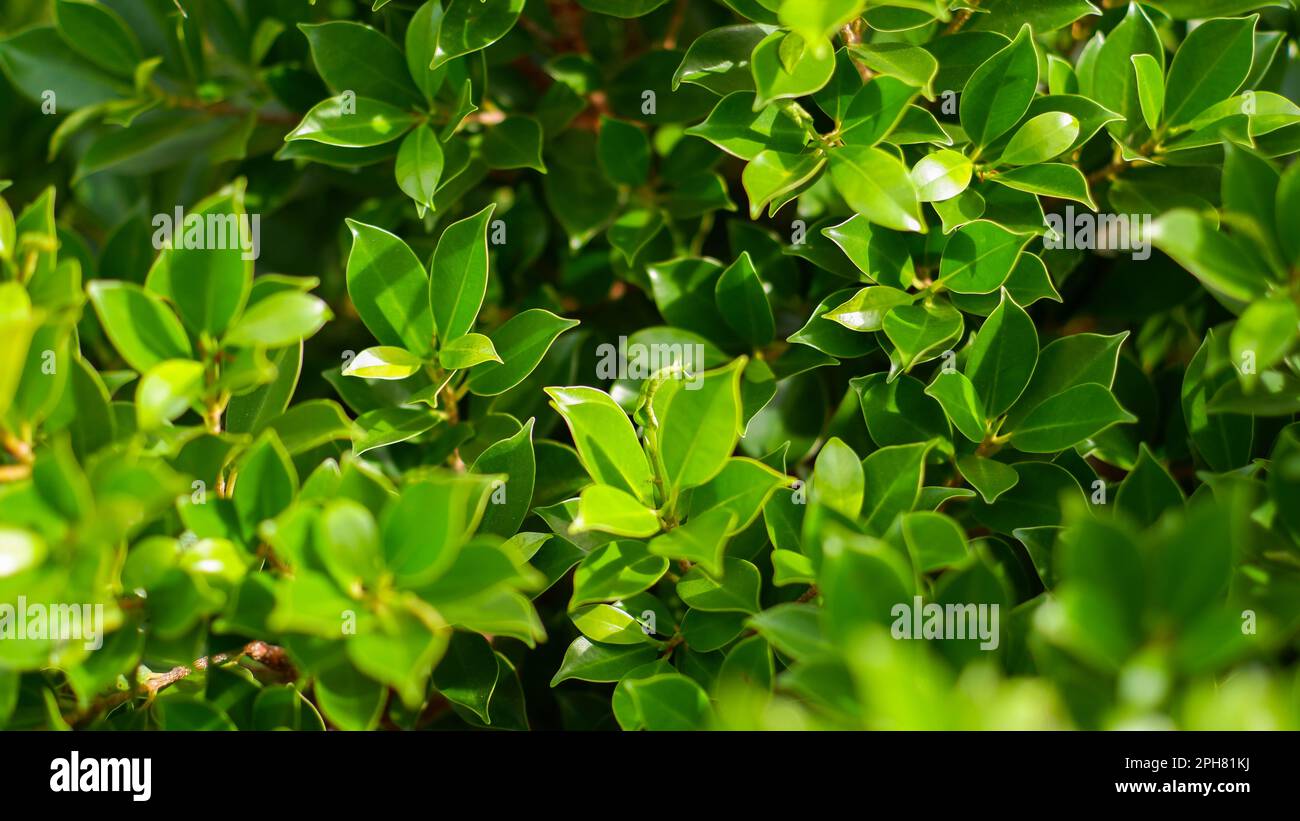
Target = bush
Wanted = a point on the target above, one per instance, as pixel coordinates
(649, 364)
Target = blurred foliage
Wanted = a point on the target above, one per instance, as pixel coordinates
(649, 364)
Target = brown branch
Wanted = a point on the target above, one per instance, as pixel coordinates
(961, 18)
(18, 449)
(1109, 172)
(224, 109)
(14, 473)
(851, 33)
(675, 25)
(269, 655)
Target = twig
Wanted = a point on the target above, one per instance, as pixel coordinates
(852, 36)
(962, 17)
(223, 109)
(14, 473)
(269, 655)
(675, 25)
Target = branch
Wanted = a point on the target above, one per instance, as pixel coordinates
(851, 33)
(273, 657)
(675, 25)
(961, 18)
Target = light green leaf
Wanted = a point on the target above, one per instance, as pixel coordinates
(459, 274)
(466, 352)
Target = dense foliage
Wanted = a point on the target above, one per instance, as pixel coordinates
(649, 364)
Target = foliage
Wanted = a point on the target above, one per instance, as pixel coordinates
(636, 363)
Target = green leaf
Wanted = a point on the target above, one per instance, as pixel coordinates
(468, 674)
(470, 25)
(1147, 491)
(1217, 259)
(742, 488)
(402, 654)
(1042, 138)
(989, 477)
(942, 175)
(1065, 363)
(622, 8)
(515, 142)
(615, 571)
(1151, 88)
(624, 152)
(702, 540)
(1049, 180)
(1114, 83)
(389, 288)
(37, 60)
(1210, 66)
(311, 424)
(979, 258)
(208, 278)
(1000, 90)
(424, 530)
(699, 423)
(609, 624)
(114, 46)
(459, 276)
(735, 589)
(1003, 357)
(743, 303)
(911, 64)
(878, 186)
(719, 59)
(793, 629)
(466, 352)
(388, 426)
(933, 540)
(1265, 333)
(383, 362)
(817, 21)
(166, 391)
(773, 177)
(1069, 418)
(881, 255)
(867, 309)
(353, 122)
(961, 403)
(1044, 15)
(894, 476)
(1288, 201)
(1284, 477)
(348, 699)
(1037, 499)
(670, 702)
(736, 128)
(513, 457)
(786, 66)
(922, 332)
(266, 482)
(282, 319)
(610, 510)
(586, 660)
(838, 481)
(139, 324)
(605, 440)
(419, 165)
(876, 110)
(521, 342)
(357, 58)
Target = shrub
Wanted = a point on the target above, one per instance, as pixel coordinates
(649, 364)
